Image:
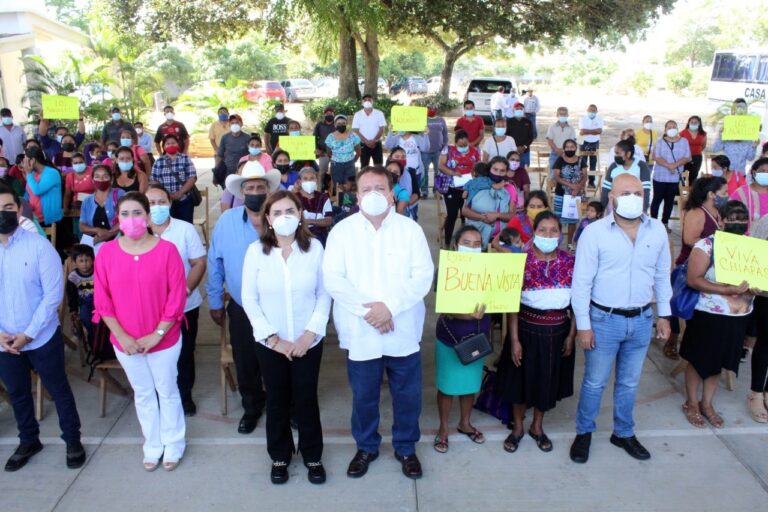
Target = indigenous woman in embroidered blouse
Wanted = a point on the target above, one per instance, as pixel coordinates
(536, 368)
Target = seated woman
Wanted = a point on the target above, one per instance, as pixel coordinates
(78, 184)
(98, 213)
(401, 196)
(127, 177)
(316, 207)
(282, 162)
(140, 158)
(488, 210)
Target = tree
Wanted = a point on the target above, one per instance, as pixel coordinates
(67, 11)
(695, 46)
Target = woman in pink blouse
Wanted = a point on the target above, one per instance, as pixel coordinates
(140, 292)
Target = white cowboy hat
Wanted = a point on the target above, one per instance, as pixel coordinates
(252, 170)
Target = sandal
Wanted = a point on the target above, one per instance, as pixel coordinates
(512, 442)
(757, 408)
(441, 444)
(171, 464)
(151, 464)
(542, 441)
(670, 350)
(475, 435)
(693, 417)
(712, 417)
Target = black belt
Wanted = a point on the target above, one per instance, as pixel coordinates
(628, 313)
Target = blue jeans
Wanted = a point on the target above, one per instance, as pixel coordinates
(496, 114)
(404, 374)
(532, 117)
(432, 157)
(552, 159)
(625, 341)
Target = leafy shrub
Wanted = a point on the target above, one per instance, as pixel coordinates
(679, 79)
(313, 110)
(642, 82)
(443, 104)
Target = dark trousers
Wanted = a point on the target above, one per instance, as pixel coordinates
(532, 117)
(453, 203)
(665, 192)
(693, 167)
(367, 153)
(186, 364)
(760, 353)
(404, 374)
(183, 210)
(292, 386)
(590, 146)
(48, 362)
(246, 362)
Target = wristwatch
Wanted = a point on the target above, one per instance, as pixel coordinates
(160, 332)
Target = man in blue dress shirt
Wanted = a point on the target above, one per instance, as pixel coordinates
(31, 289)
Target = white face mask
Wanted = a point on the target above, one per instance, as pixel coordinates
(672, 132)
(464, 248)
(630, 207)
(648, 126)
(234, 128)
(139, 131)
(285, 225)
(367, 104)
(169, 116)
(309, 186)
(280, 116)
(374, 204)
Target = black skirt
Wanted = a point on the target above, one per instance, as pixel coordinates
(545, 376)
(713, 342)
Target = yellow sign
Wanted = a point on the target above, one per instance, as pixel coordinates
(299, 147)
(409, 119)
(741, 258)
(61, 107)
(467, 279)
(741, 128)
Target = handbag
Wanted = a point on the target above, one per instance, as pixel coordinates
(489, 402)
(471, 347)
(194, 193)
(570, 207)
(684, 298)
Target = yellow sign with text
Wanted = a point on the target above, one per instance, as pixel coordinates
(60, 107)
(741, 128)
(467, 279)
(409, 119)
(299, 147)
(741, 258)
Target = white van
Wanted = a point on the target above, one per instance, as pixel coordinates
(479, 91)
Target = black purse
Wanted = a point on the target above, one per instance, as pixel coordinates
(194, 193)
(471, 347)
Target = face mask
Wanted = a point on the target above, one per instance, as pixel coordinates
(254, 201)
(254, 151)
(159, 213)
(464, 248)
(402, 162)
(329, 118)
(79, 168)
(169, 116)
(591, 115)
(519, 114)
(68, 147)
(672, 132)
(736, 228)
(544, 244)
(109, 154)
(741, 110)
(223, 118)
(495, 178)
(234, 128)
(374, 204)
(431, 112)
(562, 119)
(139, 131)
(285, 225)
(341, 128)
(309, 186)
(500, 132)
(717, 173)
(720, 201)
(463, 149)
(514, 165)
(133, 227)
(279, 116)
(648, 126)
(294, 134)
(59, 138)
(533, 212)
(172, 150)
(619, 160)
(367, 104)
(102, 185)
(283, 168)
(3, 172)
(630, 207)
(469, 113)
(569, 153)
(116, 116)
(125, 166)
(762, 179)
(693, 127)
(7, 121)
(9, 221)
(126, 142)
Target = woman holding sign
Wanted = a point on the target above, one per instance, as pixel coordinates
(537, 361)
(755, 195)
(738, 151)
(713, 337)
(452, 377)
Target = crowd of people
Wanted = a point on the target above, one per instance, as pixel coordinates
(299, 238)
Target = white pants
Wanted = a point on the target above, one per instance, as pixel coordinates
(158, 403)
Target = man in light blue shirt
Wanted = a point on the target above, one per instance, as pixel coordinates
(145, 140)
(31, 289)
(236, 229)
(622, 262)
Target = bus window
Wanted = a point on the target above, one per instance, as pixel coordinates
(746, 68)
(762, 70)
(725, 65)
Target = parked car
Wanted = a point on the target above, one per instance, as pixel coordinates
(479, 91)
(327, 87)
(410, 85)
(299, 89)
(433, 86)
(263, 90)
(381, 86)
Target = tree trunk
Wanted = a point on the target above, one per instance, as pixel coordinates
(371, 56)
(452, 54)
(347, 64)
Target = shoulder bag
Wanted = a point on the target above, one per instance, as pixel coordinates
(194, 192)
(471, 347)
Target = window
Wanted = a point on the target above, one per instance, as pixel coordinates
(725, 65)
(489, 86)
(745, 69)
(762, 70)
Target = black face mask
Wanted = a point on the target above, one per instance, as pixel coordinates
(9, 221)
(283, 168)
(254, 202)
(569, 153)
(736, 228)
(496, 178)
(30, 152)
(68, 146)
(329, 118)
(341, 128)
(619, 160)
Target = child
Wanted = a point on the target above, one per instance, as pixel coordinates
(80, 287)
(480, 181)
(347, 201)
(594, 212)
(510, 241)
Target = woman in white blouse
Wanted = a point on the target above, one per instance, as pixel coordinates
(288, 307)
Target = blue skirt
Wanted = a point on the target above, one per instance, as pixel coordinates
(452, 377)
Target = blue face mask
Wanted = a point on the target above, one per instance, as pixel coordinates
(592, 115)
(720, 201)
(254, 151)
(717, 173)
(294, 134)
(159, 213)
(126, 142)
(463, 150)
(109, 155)
(78, 167)
(469, 113)
(59, 138)
(499, 131)
(762, 179)
(7, 121)
(125, 166)
(223, 117)
(562, 119)
(546, 245)
(116, 116)
(519, 114)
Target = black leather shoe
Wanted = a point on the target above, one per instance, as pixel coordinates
(75, 455)
(190, 409)
(247, 424)
(315, 472)
(359, 464)
(21, 456)
(580, 448)
(632, 446)
(279, 474)
(411, 465)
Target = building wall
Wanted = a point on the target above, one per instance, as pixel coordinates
(14, 84)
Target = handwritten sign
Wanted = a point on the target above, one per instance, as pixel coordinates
(741, 258)
(741, 128)
(61, 107)
(300, 147)
(467, 279)
(409, 119)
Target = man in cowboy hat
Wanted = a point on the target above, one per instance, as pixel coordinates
(236, 229)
